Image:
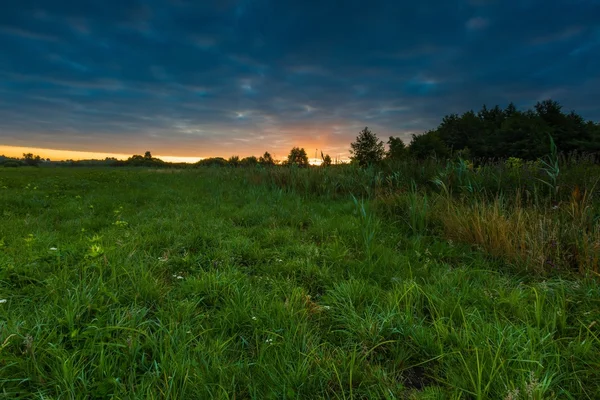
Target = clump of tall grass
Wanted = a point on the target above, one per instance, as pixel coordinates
(563, 236)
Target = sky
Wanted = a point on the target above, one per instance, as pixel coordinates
(195, 79)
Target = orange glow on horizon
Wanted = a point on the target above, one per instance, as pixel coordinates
(61, 155)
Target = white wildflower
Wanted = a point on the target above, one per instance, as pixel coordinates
(253, 318)
(2, 301)
(53, 249)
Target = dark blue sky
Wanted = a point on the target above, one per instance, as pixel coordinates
(199, 78)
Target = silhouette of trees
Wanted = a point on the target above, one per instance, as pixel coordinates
(396, 149)
(234, 161)
(297, 157)
(428, 145)
(141, 161)
(250, 161)
(31, 159)
(367, 149)
(212, 162)
(495, 132)
(266, 159)
(326, 160)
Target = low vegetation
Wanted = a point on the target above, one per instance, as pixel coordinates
(341, 282)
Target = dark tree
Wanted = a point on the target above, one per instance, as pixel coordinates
(396, 149)
(326, 160)
(249, 161)
(212, 162)
(234, 161)
(428, 145)
(31, 160)
(297, 157)
(266, 159)
(367, 149)
(148, 155)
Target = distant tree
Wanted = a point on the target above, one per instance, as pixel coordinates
(326, 160)
(367, 149)
(523, 135)
(148, 155)
(297, 157)
(510, 110)
(266, 159)
(396, 149)
(250, 161)
(31, 159)
(428, 145)
(212, 162)
(234, 161)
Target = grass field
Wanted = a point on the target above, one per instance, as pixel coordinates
(221, 283)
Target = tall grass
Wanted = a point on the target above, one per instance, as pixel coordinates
(239, 283)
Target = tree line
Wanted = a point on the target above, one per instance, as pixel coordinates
(490, 133)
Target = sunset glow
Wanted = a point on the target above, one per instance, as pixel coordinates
(61, 155)
(189, 80)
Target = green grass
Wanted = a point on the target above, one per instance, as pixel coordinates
(216, 284)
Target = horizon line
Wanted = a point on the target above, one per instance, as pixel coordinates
(77, 155)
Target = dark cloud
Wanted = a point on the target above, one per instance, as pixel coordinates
(240, 76)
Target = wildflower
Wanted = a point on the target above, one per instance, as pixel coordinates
(269, 341)
(532, 386)
(279, 260)
(253, 318)
(326, 308)
(512, 395)
(177, 276)
(53, 249)
(163, 259)
(2, 301)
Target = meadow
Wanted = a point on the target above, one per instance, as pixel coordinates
(430, 281)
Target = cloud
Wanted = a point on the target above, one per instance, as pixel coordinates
(477, 23)
(23, 33)
(239, 77)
